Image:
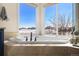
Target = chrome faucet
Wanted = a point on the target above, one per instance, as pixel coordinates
(31, 37)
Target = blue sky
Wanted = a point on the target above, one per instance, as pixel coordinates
(64, 9)
(28, 17)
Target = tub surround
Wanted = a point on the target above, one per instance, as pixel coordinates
(40, 39)
(38, 44)
(12, 49)
(39, 48)
(10, 34)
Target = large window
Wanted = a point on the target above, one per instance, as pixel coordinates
(58, 19)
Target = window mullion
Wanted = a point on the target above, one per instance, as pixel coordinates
(57, 19)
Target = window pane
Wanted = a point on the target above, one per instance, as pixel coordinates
(27, 19)
(50, 20)
(65, 18)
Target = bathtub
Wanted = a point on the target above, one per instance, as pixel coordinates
(42, 39)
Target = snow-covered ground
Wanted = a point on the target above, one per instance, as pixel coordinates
(21, 37)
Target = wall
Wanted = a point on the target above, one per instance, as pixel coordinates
(11, 24)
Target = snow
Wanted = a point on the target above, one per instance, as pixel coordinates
(21, 37)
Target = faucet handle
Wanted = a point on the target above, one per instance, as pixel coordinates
(31, 36)
(26, 38)
(35, 39)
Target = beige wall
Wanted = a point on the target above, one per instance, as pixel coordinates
(11, 24)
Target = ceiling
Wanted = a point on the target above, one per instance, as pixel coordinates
(41, 4)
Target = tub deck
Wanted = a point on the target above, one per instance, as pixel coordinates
(12, 49)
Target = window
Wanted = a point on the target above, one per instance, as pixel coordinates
(59, 19)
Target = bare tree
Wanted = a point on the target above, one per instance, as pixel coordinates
(63, 24)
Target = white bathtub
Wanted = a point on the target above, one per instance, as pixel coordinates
(54, 39)
(43, 39)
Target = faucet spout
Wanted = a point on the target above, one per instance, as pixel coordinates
(31, 36)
